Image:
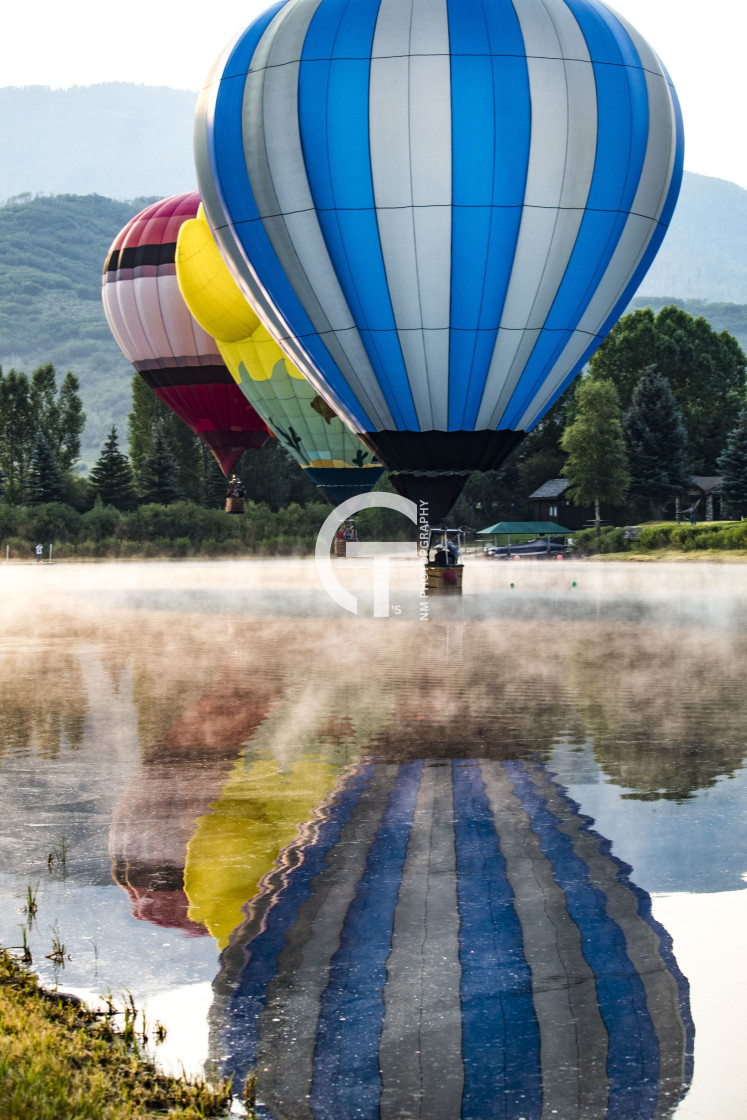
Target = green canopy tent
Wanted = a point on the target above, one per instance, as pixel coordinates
(510, 529)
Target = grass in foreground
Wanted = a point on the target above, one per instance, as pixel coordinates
(61, 1061)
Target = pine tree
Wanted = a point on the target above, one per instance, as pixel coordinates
(17, 433)
(732, 466)
(657, 444)
(596, 467)
(46, 482)
(159, 474)
(213, 481)
(43, 401)
(71, 422)
(59, 416)
(111, 476)
(273, 476)
(150, 416)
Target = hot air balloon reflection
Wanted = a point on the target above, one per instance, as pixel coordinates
(439, 208)
(153, 820)
(452, 939)
(167, 347)
(305, 424)
(289, 768)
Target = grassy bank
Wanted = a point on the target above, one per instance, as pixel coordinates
(180, 530)
(61, 1061)
(666, 540)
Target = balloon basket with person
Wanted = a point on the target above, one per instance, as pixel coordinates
(235, 495)
(443, 566)
(346, 532)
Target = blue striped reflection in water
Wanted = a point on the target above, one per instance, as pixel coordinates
(452, 939)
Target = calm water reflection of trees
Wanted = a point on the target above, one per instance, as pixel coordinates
(664, 706)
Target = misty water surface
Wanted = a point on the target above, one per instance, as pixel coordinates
(490, 864)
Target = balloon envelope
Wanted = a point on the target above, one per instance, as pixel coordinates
(439, 207)
(168, 348)
(321, 444)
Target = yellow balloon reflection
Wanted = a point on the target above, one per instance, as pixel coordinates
(258, 813)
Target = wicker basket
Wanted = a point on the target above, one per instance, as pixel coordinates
(441, 579)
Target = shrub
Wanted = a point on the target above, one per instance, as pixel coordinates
(693, 538)
(738, 534)
(654, 537)
(182, 546)
(9, 520)
(210, 547)
(614, 540)
(213, 547)
(53, 521)
(18, 548)
(610, 539)
(100, 522)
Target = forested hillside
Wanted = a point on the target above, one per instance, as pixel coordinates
(731, 317)
(52, 251)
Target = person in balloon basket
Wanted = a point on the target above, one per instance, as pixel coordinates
(235, 488)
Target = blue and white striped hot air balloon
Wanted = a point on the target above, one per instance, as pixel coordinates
(439, 207)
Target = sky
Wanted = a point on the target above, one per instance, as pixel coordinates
(155, 42)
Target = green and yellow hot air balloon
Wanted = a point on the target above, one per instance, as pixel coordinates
(334, 458)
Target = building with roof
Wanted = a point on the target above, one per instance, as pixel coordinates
(551, 503)
(702, 491)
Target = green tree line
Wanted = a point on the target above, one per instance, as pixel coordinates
(164, 462)
(181, 529)
(40, 432)
(663, 400)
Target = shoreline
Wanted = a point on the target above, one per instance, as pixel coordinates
(713, 556)
(61, 1060)
(702, 556)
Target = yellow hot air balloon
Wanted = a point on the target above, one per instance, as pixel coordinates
(334, 458)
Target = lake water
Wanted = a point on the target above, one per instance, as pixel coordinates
(491, 863)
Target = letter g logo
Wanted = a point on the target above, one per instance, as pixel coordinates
(379, 550)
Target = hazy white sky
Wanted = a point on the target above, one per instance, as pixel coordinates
(157, 42)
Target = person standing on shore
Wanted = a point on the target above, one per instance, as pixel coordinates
(39, 550)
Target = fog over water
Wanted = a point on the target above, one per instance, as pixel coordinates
(256, 787)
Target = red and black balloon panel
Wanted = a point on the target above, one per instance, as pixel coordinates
(166, 345)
